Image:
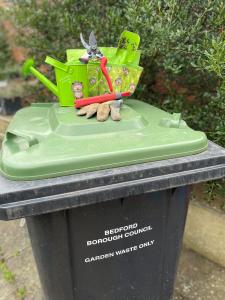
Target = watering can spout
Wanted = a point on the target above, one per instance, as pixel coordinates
(28, 67)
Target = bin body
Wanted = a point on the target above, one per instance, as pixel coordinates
(122, 249)
(72, 221)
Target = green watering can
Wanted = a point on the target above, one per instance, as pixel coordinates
(71, 79)
(75, 80)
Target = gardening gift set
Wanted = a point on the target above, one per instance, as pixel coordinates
(94, 125)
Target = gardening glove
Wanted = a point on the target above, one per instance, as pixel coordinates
(115, 110)
(88, 110)
(103, 110)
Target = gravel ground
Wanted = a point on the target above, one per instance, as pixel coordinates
(197, 278)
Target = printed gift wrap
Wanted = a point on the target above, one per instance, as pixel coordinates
(124, 78)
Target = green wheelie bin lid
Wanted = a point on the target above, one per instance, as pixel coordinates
(46, 140)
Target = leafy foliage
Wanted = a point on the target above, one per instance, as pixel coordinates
(182, 41)
(7, 274)
(8, 68)
(21, 293)
(4, 51)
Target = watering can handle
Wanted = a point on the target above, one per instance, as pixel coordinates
(105, 73)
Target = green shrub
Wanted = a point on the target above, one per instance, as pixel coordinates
(183, 40)
(8, 68)
(4, 52)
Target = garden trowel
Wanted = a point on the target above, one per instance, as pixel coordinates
(128, 41)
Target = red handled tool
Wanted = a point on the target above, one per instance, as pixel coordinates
(94, 53)
(100, 99)
(105, 73)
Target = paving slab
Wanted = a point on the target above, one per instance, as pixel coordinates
(198, 278)
(205, 228)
